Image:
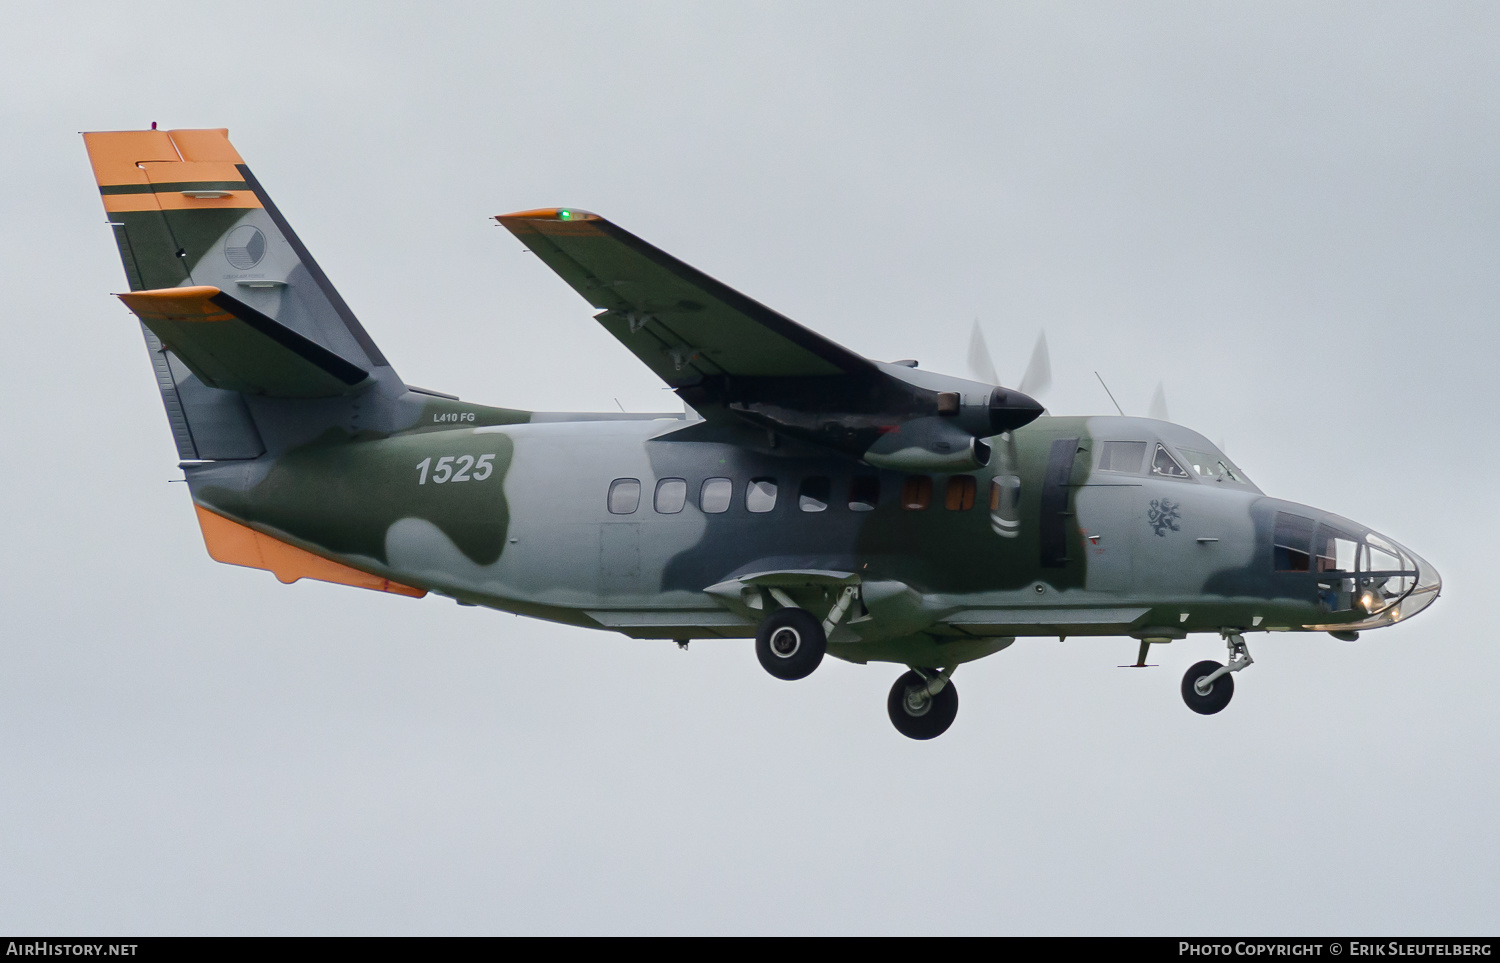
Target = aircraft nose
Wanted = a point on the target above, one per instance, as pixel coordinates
(1429, 585)
(1011, 409)
(1379, 577)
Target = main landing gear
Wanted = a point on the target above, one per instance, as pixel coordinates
(923, 703)
(791, 641)
(1208, 686)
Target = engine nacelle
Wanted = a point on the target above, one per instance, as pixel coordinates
(937, 444)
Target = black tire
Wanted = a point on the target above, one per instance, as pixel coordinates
(1217, 698)
(790, 643)
(933, 720)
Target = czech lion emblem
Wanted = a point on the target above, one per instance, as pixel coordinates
(1164, 515)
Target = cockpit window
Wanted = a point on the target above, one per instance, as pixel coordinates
(1122, 456)
(1336, 551)
(1213, 467)
(1164, 464)
(1293, 543)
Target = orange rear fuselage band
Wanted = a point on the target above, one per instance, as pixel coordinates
(235, 544)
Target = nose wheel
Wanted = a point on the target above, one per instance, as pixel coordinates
(790, 643)
(1208, 686)
(923, 704)
(1203, 696)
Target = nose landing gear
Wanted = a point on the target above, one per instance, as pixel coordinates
(1208, 686)
(923, 703)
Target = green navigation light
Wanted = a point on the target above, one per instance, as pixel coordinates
(564, 215)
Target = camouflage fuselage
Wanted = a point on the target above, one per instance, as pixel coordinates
(1142, 554)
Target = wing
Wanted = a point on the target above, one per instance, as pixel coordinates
(733, 358)
(686, 326)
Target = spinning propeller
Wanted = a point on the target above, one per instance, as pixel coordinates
(1005, 506)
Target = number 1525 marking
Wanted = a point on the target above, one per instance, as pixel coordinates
(455, 469)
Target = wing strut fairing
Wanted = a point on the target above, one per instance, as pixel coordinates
(731, 357)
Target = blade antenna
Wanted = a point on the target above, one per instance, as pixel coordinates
(1111, 394)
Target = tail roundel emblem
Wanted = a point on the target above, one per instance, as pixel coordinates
(244, 247)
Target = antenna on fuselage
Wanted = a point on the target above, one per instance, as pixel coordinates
(1110, 393)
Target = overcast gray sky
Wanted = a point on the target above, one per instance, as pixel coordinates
(1285, 212)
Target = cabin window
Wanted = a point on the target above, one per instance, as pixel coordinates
(916, 492)
(1164, 464)
(1122, 456)
(760, 495)
(960, 495)
(716, 495)
(814, 494)
(624, 496)
(1293, 543)
(864, 493)
(671, 495)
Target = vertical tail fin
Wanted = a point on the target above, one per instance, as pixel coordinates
(187, 212)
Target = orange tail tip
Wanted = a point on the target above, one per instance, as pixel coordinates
(117, 155)
(235, 544)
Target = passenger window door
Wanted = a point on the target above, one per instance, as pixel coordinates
(715, 495)
(864, 493)
(916, 492)
(671, 495)
(760, 495)
(624, 496)
(814, 494)
(960, 494)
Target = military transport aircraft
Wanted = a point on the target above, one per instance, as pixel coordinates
(807, 497)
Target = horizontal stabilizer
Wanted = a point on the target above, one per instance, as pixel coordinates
(230, 345)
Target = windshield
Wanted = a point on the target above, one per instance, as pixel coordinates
(1213, 466)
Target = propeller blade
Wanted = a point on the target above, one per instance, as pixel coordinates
(981, 365)
(1038, 374)
(1159, 404)
(1005, 498)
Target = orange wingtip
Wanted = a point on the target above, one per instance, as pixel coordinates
(549, 214)
(235, 544)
